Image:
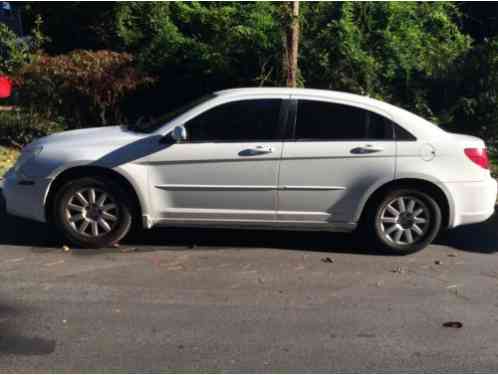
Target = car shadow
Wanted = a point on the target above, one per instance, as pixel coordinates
(478, 238)
(12, 342)
(482, 238)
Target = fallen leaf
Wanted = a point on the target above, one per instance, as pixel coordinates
(451, 255)
(156, 261)
(54, 263)
(398, 270)
(129, 250)
(453, 286)
(453, 324)
(176, 268)
(328, 260)
(438, 262)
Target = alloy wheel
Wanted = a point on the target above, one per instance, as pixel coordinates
(405, 220)
(92, 212)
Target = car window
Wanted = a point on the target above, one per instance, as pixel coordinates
(378, 127)
(402, 134)
(331, 121)
(246, 120)
(154, 123)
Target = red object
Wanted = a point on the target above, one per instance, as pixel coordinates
(478, 156)
(5, 87)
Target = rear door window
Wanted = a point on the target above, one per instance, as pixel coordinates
(327, 121)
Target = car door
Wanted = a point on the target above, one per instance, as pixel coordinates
(337, 153)
(227, 168)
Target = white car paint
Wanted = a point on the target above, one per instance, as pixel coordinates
(299, 185)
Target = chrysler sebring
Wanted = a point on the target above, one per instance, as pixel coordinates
(275, 158)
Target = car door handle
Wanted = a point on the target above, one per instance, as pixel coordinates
(367, 149)
(258, 150)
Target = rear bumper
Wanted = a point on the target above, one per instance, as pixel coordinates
(25, 198)
(473, 202)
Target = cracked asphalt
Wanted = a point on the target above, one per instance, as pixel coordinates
(232, 300)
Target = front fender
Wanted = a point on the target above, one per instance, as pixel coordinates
(135, 174)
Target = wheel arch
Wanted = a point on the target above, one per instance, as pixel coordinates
(78, 171)
(434, 189)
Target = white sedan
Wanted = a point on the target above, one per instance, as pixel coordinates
(274, 158)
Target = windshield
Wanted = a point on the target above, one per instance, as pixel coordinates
(153, 123)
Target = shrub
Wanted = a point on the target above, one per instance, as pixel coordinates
(18, 128)
(84, 87)
(476, 80)
(14, 52)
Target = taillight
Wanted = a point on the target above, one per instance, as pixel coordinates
(478, 156)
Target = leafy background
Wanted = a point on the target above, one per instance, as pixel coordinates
(91, 64)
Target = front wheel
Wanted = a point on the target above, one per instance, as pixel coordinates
(405, 221)
(92, 212)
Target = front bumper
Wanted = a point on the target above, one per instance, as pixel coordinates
(25, 198)
(474, 202)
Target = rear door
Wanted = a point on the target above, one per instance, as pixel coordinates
(338, 151)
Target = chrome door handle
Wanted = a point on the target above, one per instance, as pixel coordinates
(367, 149)
(258, 150)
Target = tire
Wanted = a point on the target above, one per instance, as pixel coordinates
(404, 221)
(92, 212)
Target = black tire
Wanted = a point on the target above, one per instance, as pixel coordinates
(121, 215)
(378, 227)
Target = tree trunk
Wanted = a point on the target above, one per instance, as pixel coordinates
(292, 45)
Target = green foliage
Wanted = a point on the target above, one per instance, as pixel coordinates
(14, 53)
(432, 58)
(8, 156)
(72, 25)
(389, 50)
(82, 86)
(18, 128)
(475, 107)
(210, 38)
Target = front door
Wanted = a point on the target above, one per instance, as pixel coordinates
(337, 153)
(227, 168)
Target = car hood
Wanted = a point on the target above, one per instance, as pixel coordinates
(110, 135)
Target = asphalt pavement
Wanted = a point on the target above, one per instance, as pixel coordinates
(259, 301)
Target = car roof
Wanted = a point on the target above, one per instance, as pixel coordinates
(331, 94)
(416, 124)
(283, 90)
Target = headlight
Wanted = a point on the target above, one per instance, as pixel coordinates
(27, 155)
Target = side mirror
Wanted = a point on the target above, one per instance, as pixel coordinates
(179, 134)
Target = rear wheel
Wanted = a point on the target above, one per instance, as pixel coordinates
(405, 221)
(93, 212)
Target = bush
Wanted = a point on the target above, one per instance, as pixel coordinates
(84, 87)
(14, 52)
(475, 108)
(18, 128)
